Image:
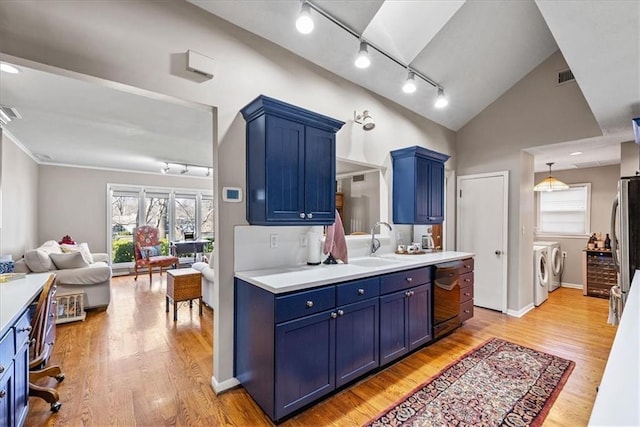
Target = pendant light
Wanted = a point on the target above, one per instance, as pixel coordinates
(550, 183)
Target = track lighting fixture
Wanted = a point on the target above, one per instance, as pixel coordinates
(410, 85)
(304, 23)
(441, 100)
(362, 60)
(186, 169)
(550, 183)
(165, 169)
(364, 119)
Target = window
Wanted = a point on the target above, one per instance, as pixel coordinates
(172, 211)
(566, 212)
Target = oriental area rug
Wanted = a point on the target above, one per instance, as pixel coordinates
(498, 383)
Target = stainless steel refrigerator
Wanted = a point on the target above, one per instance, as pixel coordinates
(625, 230)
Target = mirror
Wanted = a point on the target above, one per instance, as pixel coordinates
(357, 196)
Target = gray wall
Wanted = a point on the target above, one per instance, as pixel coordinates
(19, 200)
(629, 158)
(533, 112)
(75, 200)
(128, 42)
(604, 182)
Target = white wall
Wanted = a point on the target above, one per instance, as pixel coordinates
(74, 200)
(604, 184)
(19, 182)
(534, 112)
(629, 158)
(142, 44)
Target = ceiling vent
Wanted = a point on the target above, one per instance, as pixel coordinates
(7, 114)
(565, 76)
(358, 178)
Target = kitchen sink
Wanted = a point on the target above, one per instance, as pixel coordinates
(373, 262)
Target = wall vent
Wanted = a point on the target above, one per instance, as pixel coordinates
(565, 76)
(357, 178)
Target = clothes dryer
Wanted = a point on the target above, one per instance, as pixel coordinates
(540, 275)
(555, 262)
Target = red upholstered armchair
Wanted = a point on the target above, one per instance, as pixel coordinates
(148, 252)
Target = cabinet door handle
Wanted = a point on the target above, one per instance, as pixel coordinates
(1, 369)
(27, 329)
(340, 312)
(301, 215)
(310, 215)
(309, 304)
(2, 394)
(333, 315)
(409, 279)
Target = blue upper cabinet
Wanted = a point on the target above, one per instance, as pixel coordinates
(418, 186)
(291, 157)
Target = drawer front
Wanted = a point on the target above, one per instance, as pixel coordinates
(7, 351)
(466, 293)
(404, 279)
(358, 290)
(467, 265)
(301, 304)
(466, 310)
(23, 329)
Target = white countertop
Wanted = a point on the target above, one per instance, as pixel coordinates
(618, 399)
(287, 279)
(15, 297)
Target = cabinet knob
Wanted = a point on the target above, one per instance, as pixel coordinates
(27, 329)
(54, 302)
(407, 293)
(409, 279)
(467, 280)
(309, 304)
(340, 312)
(467, 311)
(467, 266)
(467, 294)
(2, 394)
(1, 369)
(360, 291)
(333, 315)
(450, 274)
(309, 215)
(301, 215)
(51, 343)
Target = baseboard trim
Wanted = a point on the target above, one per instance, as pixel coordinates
(219, 387)
(571, 285)
(521, 312)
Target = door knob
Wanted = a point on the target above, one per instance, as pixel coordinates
(498, 252)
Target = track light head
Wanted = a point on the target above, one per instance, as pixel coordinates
(441, 100)
(185, 170)
(304, 23)
(165, 169)
(362, 60)
(365, 120)
(410, 85)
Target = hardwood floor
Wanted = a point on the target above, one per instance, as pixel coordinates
(132, 365)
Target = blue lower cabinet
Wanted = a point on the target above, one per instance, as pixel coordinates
(405, 322)
(357, 338)
(305, 361)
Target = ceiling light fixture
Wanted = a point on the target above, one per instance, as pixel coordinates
(365, 120)
(304, 23)
(8, 68)
(550, 183)
(441, 100)
(185, 170)
(165, 169)
(575, 153)
(410, 85)
(362, 60)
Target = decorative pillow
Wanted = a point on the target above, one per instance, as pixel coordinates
(151, 251)
(38, 261)
(69, 260)
(83, 248)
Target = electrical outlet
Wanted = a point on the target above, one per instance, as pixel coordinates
(564, 254)
(273, 241)
(303, 240)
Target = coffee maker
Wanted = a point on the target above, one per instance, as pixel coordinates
(427, 241)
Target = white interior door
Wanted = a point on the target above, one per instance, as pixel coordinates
(482, 229)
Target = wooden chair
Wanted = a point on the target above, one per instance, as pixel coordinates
(42, 336)
(146, 243)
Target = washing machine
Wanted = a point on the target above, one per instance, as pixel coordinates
(540, 275)
(554, 261)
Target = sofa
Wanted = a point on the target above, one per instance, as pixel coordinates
(208, 279)
(76, 269)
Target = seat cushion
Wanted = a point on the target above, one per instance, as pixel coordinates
(162, 260)
(97, 272)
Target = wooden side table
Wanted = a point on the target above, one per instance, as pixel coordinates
(183, 284)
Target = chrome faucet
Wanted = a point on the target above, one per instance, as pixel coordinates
(375, 243)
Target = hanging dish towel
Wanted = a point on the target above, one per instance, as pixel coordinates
(335, 244)
(615, 305)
